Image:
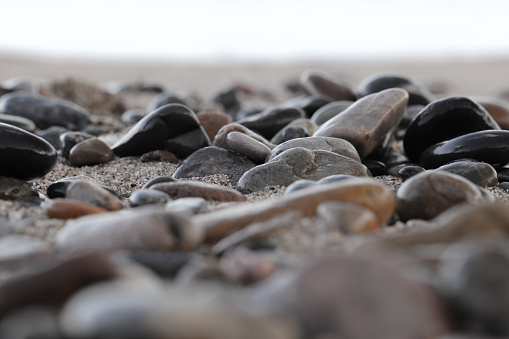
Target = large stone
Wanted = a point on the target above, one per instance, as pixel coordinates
(368, 122)
(173, 128)
(24, 155)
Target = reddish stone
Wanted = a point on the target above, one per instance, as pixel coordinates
(70, 209)
(212, 121)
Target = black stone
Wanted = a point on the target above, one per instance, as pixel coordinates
(164, 99)
(376, 167)
(418, 93)
(409, 171)
(479, 173)
(52, 135)
(174, 128)
(312, 103)
(71, 139)
(490, 146)
(230, 100)
(24, 155)
(270, 121)
(443, 120)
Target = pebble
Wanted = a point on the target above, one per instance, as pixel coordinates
(173, 128)
(212, 121)
(164, 264)
(59, 188)
(20, 122)
(92, 193)
(299, 184)
(245, 267)
(190, 205)
(160, 155)
(165, 98)
(376, 167)
(52, 135)
(148, 197)
(498, 109)
(221, 136)
(69, 209)
(490, 146)
(90, 152)
(132, 116)
(329, 111)
(252, 149)
(214, 160)
(210, 192)
(45, 112)
(331, 144)
(272, 120)
(480, 173)
(24, 155)
(442, 120)
(347, 217)
(19, 252)
(158, 180)
(429, 193)
(15, 189)
(140, 229)
(299, 163)
(70, 139)
(409, 171)
(321, 83)
(367, 122)
(299, 128)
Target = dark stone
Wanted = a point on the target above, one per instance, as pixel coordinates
(165, 265)
(159, 155)
(214, 160)
(24, 155)
(71, 139)
(409, 171)
(410, 113)
(20, 122)
(491, 146)
(270, 121)
(164, 99)
(376, 167)
(299, 128)
(90, 152)
(45, 112)
(418, 93)
(329, 111)
(173, 128)
(443, 120)
(312, 103)
(183, 189)
(52, 135)
(158, 180)
(230, 100)
(320, 83)
(132, 116)
(480, 173)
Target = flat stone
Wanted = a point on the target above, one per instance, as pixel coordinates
(90, 152)
(442, 120)
(212, 121)
(272, 120)
(329, 111)
(214, 160)
(299, 128)
(490, 146)
(148, 197)
(69, 209)
(480, 173)
(141, 229)
(184, 189)
(252, 149)
(45, 112)
(363, 191)
(15, 189)
(221, 136)
(173, 128)
(368, 122)
(429, 193)
(24, 155)
(331, 144)
(20, 122)
(347, 217)
(70, 139)
(299, 163)
(321, 83)
(94, 194)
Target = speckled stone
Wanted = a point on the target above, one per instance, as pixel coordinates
(90, 152)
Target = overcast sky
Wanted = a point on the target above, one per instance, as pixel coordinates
(258, 29)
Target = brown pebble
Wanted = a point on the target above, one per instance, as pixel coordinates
(159, 155)
(320, 83)
(498, 109)
(183, 189)
(90, 152)
(212, 121)
(94, 194)
(70, 209)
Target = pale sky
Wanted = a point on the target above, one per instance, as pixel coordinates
(258, 29)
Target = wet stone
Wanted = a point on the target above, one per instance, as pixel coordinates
(335, 145)
(409, 171)
(480, 173)
(15, 189)
(173, 128)
(69, 209)
(321, 83)
(247, 146)
(148, 197)
(160, 156)
(221, 136)
(90, 152)
(442, 120)
(70, 139)
(429, 193)
(329, 111)
(45, 112)
(24, 155)
(299, 128)
(368, 122)
(214, 160)
(20, 122)
(191, 205)
(184, 189)
(299, 163)
(490, 146)
(212, 121)
(348, 218)
(94, 194)
(271, 121)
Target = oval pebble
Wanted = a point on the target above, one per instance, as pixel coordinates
(247, 146)
(184, 189)
(480, 173)
(94, 194)
(90, 152)
(69, 209)
(70, 139)
(148, 197)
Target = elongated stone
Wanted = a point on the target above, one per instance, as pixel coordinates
(367, 122)
(480, 173)
(183, 189)
(69, 209)
(221, 136)
(247, 146)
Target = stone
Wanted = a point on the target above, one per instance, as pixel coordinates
(331, 144)
(52, 135)
(418, 93)
(429, 193)
(212, 121)
(480, 173)
(45, 112)
(299, 184)
(69, 209)
(252, 149)
(335, 178)
(367, 123)
(173, 128)
(70, 139)
(300, 128)
(210, 192)
(164, 264)
(24, 155)
(132, 116)
(20, 122)
(244, 267)
(347, 217)
(20, 252)
(442, 120)
(312, 103)
(160, 156)
(376, 167)
(90, 152)
(409, 171)
(230, 100)
(220, 138)
(148, 197)
(342, 297)
(410, 113)
(364, 191)
(94, 194)
(158, 180)
(140, 229)
(165, 98)
(191, 205)
(272, 120)
(299, 163)
(15, 189)
(38, 322)
(321, 83)
(214, 160)
(329, 111)
(59, 188)
(498, 109)
(490, 146)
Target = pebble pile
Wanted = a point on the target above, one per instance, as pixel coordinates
(335, 212)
